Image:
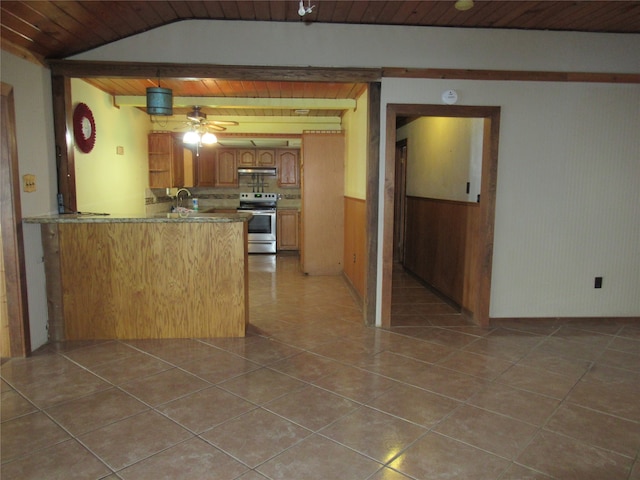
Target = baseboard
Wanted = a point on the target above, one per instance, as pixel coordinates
(550, 321)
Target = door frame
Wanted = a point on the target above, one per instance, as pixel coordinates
(400, 203)
(15, 280)
(489, 177)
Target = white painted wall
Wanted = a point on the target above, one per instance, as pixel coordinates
(569, 153)
(568, 193)
(341, 45)
(36, 155)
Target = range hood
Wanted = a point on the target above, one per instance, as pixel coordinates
(271, 171)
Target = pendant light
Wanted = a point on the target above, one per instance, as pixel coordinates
(159, 101)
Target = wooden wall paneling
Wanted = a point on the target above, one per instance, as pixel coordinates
(167, 280)
(442, 246)
(355, 243)
(87, 282)
(51, 247)
(323, 203)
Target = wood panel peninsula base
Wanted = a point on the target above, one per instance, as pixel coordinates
(141, 278)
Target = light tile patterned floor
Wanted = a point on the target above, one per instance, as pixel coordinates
(311, 393)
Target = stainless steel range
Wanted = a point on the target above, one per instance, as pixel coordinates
(262, 226)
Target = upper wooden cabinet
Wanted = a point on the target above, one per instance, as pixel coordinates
(226, 168)
(205, 162)
(288, 163)
(256, 157)
(265, 158)
(166, 160)
(246, 158)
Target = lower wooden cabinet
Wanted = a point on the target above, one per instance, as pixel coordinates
(287, 227)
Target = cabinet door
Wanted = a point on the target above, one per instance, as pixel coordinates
(288, 168)
(160, 146)
(266, 158)
(177, 160)
(206, 167)
(287, 228)
(246, 158)
(226, 168)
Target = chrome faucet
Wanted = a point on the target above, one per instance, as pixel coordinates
(178, 199)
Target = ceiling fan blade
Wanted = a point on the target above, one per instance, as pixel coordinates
(223, 122)
(217, 128)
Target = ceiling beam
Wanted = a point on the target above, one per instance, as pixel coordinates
(252, 103)
(95, 69)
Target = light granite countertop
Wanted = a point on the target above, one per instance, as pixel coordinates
(190, 217)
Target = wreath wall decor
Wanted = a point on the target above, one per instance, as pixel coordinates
(84, 128)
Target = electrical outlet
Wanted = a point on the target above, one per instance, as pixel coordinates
(29, 182)
(598, 282)
(119, 150)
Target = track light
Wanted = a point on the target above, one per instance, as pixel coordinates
(302, 11)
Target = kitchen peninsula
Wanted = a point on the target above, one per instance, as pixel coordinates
(161, 276)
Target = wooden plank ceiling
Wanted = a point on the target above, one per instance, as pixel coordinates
(47, 30)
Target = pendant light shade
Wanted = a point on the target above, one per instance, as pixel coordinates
(191, 137)
(159, 101)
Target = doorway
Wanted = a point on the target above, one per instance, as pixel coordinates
(480, 276)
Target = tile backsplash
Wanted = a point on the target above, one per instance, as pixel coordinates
(157, 200)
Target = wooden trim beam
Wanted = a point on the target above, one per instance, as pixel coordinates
(63, 133)
(510, 75)
(83, 69)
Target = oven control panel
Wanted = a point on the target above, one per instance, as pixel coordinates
(259, 196)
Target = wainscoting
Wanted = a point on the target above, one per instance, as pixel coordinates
(441, 246)
(355, 242)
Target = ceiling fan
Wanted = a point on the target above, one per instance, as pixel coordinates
(200, 128)
(197, 119)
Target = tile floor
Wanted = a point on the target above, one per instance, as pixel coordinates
(311, 393)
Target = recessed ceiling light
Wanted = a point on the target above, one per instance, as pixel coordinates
(463, 5)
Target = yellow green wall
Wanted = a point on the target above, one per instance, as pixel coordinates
(354, 124)
(107, 182)
(443, 154)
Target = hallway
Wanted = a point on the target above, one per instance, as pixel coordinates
(311, 393)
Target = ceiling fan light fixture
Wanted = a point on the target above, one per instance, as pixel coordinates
(191, 138)
(159, 101)
(209, 138)
(463, 5)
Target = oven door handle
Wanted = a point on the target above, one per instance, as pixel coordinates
(259, 212)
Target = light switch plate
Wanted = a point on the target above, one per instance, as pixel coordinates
(29, 182)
